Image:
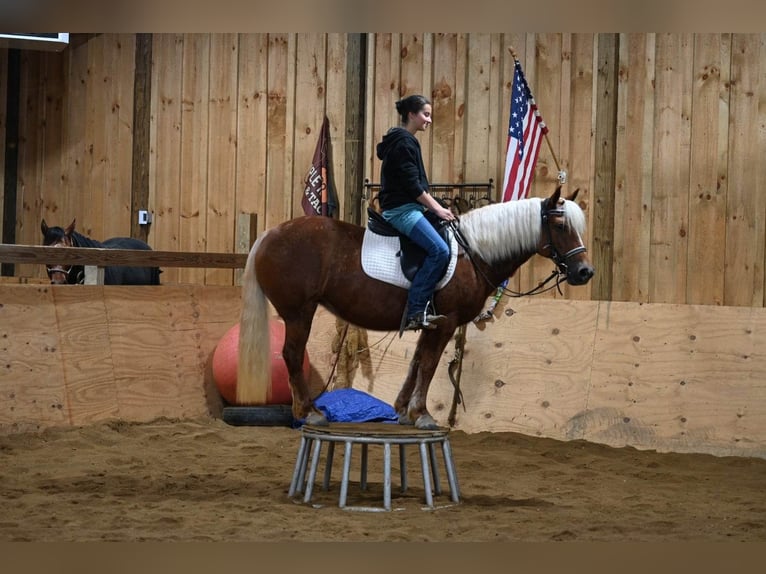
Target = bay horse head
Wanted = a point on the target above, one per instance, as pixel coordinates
(59, 237)
(561, 239)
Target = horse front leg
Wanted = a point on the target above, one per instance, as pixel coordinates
(296, 336)
(411, 403)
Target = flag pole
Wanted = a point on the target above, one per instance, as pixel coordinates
(562, 175)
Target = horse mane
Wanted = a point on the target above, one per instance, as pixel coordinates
(80, 240)
(501, 231)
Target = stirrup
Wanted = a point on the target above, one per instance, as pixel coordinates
(424, 321)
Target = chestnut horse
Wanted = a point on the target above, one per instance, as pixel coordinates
(308, 261)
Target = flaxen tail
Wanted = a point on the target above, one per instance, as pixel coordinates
(254, 364)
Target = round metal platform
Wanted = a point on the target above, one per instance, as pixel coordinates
(365, 434)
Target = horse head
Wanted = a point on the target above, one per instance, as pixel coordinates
(58, 237)
(563, 223)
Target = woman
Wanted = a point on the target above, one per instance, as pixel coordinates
(403, 200)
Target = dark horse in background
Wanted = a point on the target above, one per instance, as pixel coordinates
(311, 261)
(114, 275)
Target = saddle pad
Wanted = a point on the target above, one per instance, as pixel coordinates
(379, 260)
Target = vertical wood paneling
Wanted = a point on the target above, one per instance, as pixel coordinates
(195, 93)
(744, 201)
(443, 93)
(222, 148)
(3, 124)
(672, 187)
(310, 85)
(386, 93)
(633, 168)
(760, 166)
(669, 219)
(52, 162)
(291, 200)
(603, 189)
(576, 154)
(91, 223)
(118, 220)
(75, 106)
(278, 204)
(165, 164)
(707, 200)
(477, 136)
(495, 124)
(140, 134)
(31, 152)
(412, 81)
(546, 89)
(461, 70)
(343, 116)
(252, 117)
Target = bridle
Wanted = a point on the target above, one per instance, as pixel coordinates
(66, 270)
(559, 259)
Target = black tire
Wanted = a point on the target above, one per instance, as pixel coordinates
(263, 416)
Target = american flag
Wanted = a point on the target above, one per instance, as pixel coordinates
(526, 129)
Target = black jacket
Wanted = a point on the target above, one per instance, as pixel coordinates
(402, 174)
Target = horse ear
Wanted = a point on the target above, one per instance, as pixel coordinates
(70, 227)
(44, 227)
(553, 200)
(573, 195)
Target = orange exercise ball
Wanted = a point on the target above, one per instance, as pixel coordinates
(225, 365)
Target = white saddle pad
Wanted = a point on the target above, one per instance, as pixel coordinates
(380, 260)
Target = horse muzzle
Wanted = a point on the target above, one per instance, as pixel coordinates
(580, 272)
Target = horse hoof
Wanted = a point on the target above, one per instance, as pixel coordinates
(405, 420)
(426, 422)
(317, 420)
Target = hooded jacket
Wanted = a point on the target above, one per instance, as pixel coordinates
(402, 174)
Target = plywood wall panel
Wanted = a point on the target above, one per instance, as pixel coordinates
(88, 365)
(32, 384)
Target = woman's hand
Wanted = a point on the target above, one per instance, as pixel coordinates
(444, 213)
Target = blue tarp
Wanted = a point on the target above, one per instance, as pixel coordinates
(353, 406)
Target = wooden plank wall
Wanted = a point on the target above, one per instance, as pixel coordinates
(661, 132)
(3, 120)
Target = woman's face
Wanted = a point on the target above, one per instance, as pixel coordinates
(418, 122)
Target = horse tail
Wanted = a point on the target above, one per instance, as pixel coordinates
(254, 352)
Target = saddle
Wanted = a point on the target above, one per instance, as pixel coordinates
(410, 254)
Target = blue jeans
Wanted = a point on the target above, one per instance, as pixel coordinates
(434, 265)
